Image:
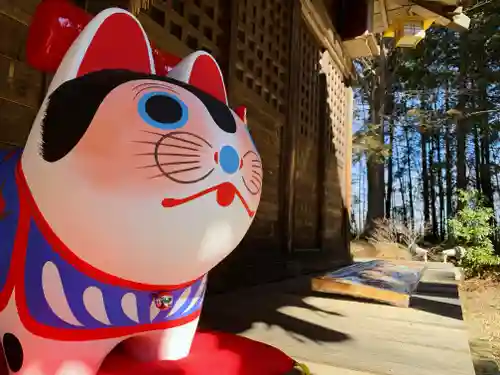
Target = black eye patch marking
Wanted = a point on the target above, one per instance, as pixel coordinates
(73, 105)
(220, 113)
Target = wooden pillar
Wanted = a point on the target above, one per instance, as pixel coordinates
(230, 74)
(349, 113)
(348, 163)
(289, 135)
(323, 141)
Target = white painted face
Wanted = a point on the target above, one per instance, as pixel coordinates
(163, 180)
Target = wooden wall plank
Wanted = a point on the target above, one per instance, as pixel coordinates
(289, 137)
(15, 122)
(20, 83)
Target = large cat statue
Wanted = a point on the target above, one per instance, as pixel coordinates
(131, 187)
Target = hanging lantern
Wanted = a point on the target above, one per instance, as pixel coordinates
(408, 31)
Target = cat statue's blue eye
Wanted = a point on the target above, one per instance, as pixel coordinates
(163, 110)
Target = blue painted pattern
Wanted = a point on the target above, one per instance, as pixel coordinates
(10, 214)
(74, 285)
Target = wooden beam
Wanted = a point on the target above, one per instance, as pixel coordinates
(324, 122)
(319, 22)
(349, 117)
(9, 9)
(231, 80)
(362, 46)
(289, 135)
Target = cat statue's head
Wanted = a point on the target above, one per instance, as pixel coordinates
(147, 178)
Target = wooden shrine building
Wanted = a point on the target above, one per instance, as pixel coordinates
(290, 63)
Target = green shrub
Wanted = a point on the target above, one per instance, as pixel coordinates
(472, 229)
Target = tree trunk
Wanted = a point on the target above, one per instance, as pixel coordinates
(375, 164)
(485, 145)
(432, 188)
(477, 158)
(402, 186)
(425, 173)
(449, 161)
(410, 184)
(439, 171)
(462, 120)
(390, 176)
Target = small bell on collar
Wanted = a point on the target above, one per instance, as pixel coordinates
(163, 301)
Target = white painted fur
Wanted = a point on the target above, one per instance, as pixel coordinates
(49, 182)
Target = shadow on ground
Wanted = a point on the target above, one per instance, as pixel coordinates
(237, 315)
(486, 367)
(439, 299)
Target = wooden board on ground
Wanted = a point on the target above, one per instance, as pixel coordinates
(391, 282)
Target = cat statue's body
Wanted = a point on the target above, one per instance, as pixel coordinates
(131, 187)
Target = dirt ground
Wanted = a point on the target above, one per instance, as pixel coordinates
(381, 250)
(481, 310)
(387, 250)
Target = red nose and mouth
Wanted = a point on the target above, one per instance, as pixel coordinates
(225, 195)
(230, 162)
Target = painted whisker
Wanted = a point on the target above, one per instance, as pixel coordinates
(254, 184)
(146, 142)
(181, 162)
(170, 163)
(183, 140)
(257, 183)
(251, 191)
(183, 170)
(154, 133)
(161, 153)
(158, 144)
(179, 146)
(257, 174)
(174, 135)
(180, 155)
(169, 175)
(156, 176)
(250, 153)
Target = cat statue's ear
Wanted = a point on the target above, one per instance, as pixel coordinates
(241, 111)
(114, 39)
(199, 69)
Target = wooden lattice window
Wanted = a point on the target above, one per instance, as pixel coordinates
(263, 49)
(199, 24)
(309, 116)
(336, 133)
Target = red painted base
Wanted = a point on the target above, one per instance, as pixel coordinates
(212, 353)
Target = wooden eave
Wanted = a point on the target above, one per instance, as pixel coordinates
(317, 19)
(445, 12)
